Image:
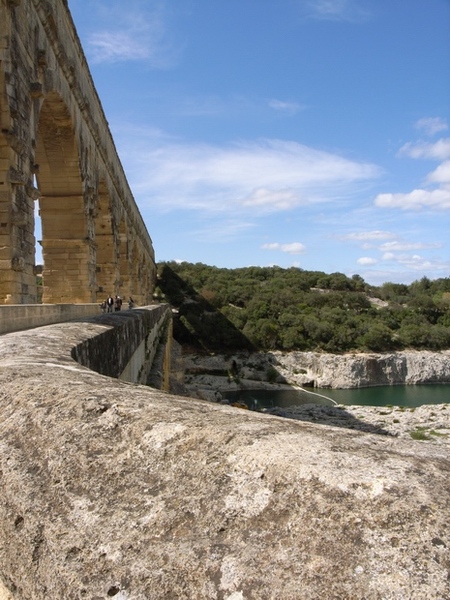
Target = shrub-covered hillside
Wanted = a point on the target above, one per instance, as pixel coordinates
(271, 308)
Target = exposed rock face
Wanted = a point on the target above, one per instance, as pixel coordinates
(331, 370)
(111, 489)
(361, 370)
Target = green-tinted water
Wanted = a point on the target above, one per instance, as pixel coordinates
(398, 395)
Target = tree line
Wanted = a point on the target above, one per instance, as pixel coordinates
(271, 308)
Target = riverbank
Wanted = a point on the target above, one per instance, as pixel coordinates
(427, 423)
(207, 377)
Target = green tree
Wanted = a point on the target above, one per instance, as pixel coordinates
(378, 338)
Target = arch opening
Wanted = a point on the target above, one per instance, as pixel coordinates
(67, 249)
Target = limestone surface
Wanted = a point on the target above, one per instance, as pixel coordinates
(116, 490)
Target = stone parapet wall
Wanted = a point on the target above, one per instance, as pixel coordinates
(16, 317)
(112, 489)
(125, 344)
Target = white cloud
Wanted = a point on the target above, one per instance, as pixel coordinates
(416, 263)
(290, 108)
(138, 34)
(366, 260)
(336, 10)
(272, 200)
(293, 248)
(439, 150)
(438, 199)
(441, 174)
(263, 176)
(405, 246)
(366, 236)
(420, 198)
(108, 46)
(431, 125)
(412, 261)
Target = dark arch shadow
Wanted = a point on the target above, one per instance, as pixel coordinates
(198, 325)
(200, 328)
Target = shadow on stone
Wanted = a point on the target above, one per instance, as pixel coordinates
(333, 416)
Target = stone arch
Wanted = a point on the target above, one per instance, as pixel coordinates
(67, 245)
(55, 146)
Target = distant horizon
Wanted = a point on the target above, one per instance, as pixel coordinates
(301, 269)
(41, 264)
(305, 133)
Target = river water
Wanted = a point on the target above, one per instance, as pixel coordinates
(395, 395)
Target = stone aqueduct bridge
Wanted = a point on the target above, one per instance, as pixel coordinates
(56, 148)
(111, 488)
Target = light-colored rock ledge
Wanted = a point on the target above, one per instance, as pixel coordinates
(323, 370)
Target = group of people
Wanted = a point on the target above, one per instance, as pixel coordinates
(113, 304)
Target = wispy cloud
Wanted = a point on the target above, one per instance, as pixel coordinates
(287, 108)
(402, 246)
(264, 176)
(137, 34)
(367, 236)
(293, 248)
(337, 10)
(431, 125)
(116, 46)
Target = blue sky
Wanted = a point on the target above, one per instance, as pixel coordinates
(309, 133)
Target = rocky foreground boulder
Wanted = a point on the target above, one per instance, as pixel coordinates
(115, 490)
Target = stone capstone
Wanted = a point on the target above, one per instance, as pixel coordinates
(112, 489)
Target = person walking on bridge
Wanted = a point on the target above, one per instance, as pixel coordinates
(109, 303)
